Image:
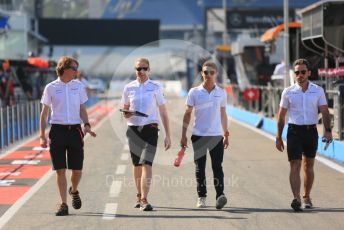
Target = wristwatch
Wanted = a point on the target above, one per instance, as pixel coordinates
(226, 134)
(87, 124)
(328, 130)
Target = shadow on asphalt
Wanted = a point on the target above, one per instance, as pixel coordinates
(282, 210)
(154, 212)
(232, 210)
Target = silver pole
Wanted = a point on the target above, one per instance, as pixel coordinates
(28, 119)
(286, 42)
(22, 120)
(1, 128)
(8, 125)
(225, 41)
(13, 126)
(31, 118)
(18, 122)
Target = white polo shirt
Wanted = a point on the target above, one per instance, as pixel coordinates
(303, 106)
(145, 98)
(207, 110)
(64, 100)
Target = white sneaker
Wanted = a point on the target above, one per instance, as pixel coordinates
(221, 201)
(307, 203)
(201, 202)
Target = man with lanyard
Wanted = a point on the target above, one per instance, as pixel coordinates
(302, 101)
(209, 132)
(145, 96)
(65, 97)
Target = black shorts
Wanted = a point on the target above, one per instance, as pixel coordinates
(142, 142)
(302, 140)
(66, 146)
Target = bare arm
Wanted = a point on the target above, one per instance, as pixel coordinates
(327, 121)
(84, 118)
(165, 122)
(42, 122)
(280, 121)
(83, 114)
(280, 125)
(186, 122)
(224, 123)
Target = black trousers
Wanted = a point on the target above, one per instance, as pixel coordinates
(201, 144)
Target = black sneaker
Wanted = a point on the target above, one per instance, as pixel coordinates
(296, 205)
(145, 206)
(76, 201)
(62, 210)
(138, 201)
(221, 201)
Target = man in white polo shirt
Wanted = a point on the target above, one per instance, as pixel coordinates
(145, 96)
(65, 97)
(209, 132)
(302, 102)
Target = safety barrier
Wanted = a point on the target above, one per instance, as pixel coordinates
(22, 120)
(18, 121)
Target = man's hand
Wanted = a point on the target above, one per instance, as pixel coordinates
(43, 142)
(167, 142)
(184, 142)
(225, 142)
(127, 115)
(87, 129)
(279, 144)
(328, 136)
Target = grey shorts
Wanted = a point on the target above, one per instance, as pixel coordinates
(142, 142)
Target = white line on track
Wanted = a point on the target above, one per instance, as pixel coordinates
(121, 169)
(126, 147)
(115, 188)
(124, 156)
(110, 211)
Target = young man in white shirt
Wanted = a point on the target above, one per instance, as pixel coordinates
(145, 96)
(65, 97)
(209, 132)
(302, 102)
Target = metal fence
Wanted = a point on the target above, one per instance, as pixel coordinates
(18, 121)
(22, 120)
(267, 103)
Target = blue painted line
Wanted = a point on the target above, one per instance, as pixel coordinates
(244, 116)
(334, 151)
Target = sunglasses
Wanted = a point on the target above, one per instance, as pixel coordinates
(211, 72)
(142, 68)
(73, 68)
(302, 72)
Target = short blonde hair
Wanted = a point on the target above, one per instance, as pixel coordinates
(210, 64)
(145, 60)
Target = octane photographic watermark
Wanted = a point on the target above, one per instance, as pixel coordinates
(161, 181)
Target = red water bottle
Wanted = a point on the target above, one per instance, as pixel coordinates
(179, 157)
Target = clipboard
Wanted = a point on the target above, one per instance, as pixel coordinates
(134, 113)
